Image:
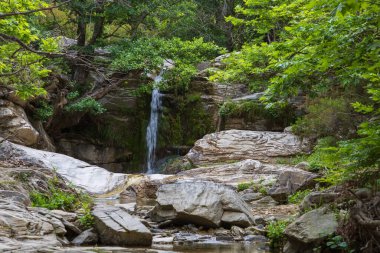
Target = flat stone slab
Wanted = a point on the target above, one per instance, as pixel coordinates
(116, 226)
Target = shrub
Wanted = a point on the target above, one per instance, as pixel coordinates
(43, 111)
(327, 117)
(86, 105)
(297, 197)
(64, 199)
(244, 186)
(275, 232)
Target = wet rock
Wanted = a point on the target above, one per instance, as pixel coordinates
(87, 237)
(199, 203)
(239, 144)
(15, 126)
(146, 192)
(116, 227)
(227, 238)
(94, 179)
(255, 238)
(310, 229)
(129, 207)
(163, 240)
(237, 231)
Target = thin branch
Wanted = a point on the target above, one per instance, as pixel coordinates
(4, 15)
(6, 37)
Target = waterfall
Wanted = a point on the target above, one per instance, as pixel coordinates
(152, 129)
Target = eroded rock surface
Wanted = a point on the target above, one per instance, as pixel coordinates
(94, 179)
(235, 145)
(288, 178)
(201, 203)
(115, 226)
(15, 126)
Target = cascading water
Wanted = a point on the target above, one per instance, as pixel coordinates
(152, 129)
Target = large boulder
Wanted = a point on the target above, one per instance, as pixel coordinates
(235, 145)
(201, 203)
(15, 126)
(94, 179)
(309, 230)
(291, 181)
(115, 226)
(286, 179)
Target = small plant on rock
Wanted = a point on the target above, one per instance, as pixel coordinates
(276, 233)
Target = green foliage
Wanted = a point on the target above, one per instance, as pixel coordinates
(275, 232)
(311, 46)
(292, 160)
(19, 68)
(355, 160)
(244, 186)
(148, 54)
(297, 197)
(57, 198)
(337, 243)
(251, 110)
(44, 111)
(327, 117)
(257, 187)
(67, 199)
(87, 104)
(87, 219)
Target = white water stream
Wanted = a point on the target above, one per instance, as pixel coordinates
(152, 129)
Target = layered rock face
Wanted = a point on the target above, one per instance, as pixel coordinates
(282, 180)
(14, 124)
(24, 228)
(93, 179)
(201, 203)
(235, 145)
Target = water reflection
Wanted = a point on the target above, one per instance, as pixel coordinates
(176, 248)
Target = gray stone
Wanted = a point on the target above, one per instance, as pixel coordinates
(14, 196)
(291, 181)
(22, 229)
(235, 218)
(65, 215)
(15, 126)
(87, 237)
(311, 228)
(200, 203)
(116, 227)
(239, 145)
(249, 197)
(237, 231)
(317, 199)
